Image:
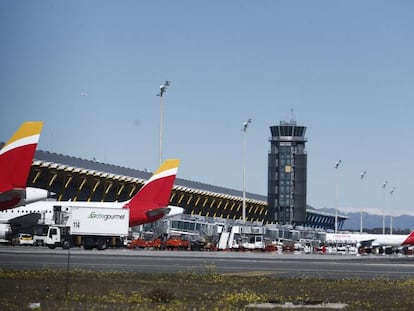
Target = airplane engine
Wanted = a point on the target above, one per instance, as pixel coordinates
(5, 231)
(35, 194)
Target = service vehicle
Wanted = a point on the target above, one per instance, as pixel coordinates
(145, 243)
(176, 242)
(90, 227)
(40, 235)
(23, 239)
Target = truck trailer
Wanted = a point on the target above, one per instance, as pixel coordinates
(90, 227)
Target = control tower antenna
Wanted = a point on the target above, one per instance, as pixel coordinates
(292, 116)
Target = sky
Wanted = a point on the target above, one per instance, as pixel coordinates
(343, 69)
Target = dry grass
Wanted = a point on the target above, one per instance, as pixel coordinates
(83, 290)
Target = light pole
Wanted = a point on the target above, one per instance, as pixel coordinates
(336, 195)
(163, 89)
(362, 202)
(383, 206)
(391, 193)
(244, 129)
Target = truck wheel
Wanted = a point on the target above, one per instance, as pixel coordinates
(66, 244)
(102, 245)
(51, 246)
(88, 243)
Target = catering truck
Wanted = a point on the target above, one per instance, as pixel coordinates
(90, 227)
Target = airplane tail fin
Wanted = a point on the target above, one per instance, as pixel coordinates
(151, 201)
(16, 156)
(409, 240)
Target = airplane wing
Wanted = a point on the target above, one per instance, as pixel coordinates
(367, 243)
(24, 221)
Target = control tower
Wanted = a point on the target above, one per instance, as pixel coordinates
(287, 174)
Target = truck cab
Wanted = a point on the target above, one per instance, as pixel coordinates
(54, 238)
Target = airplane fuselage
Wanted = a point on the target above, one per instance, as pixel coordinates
(384, 240)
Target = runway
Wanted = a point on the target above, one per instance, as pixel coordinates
(274, 264)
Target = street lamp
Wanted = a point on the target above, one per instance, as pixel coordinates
(163, 89)
(391, 193)
(336, 196)
(362, 201)
(244, 129)
(383, 206)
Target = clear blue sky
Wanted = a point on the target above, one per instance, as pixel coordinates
(346, 68)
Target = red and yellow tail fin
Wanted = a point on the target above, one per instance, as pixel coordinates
(409, 240)
(152, 200)
(16, 156)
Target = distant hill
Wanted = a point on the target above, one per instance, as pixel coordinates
(373, 221)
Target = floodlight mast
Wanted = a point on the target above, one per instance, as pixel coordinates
(244, 129)
(383, 207)
(163, 89)
(362, 202)
(391, 193)
(336, 195)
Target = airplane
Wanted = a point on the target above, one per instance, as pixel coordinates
(16, 158)
(373, 240)
(149, 204)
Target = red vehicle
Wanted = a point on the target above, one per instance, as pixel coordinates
(144, 243)
(177, 243)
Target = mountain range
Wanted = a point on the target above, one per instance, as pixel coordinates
(374, 222)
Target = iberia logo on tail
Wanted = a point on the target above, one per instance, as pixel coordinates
(16, 159)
